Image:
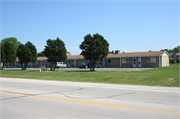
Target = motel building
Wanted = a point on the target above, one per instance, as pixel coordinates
(113, 60)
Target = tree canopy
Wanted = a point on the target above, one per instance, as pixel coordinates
(33, 51)
(41, 54)
(55, 51)
(167, 50)
(7, 53)
(24, 55)
(94, 47)
(13, 40)
(176, 49)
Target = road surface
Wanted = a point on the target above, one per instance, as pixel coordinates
(41, 99)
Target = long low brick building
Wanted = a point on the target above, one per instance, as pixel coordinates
(116, 60)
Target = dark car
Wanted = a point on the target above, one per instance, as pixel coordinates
(86, 64)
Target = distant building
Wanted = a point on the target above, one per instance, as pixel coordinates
(121, 60)
(175, 56)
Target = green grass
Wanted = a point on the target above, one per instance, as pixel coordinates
(166, 76)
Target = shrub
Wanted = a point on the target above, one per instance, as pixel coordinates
(173, 61)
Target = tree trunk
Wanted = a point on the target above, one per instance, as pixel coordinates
(93, 67)
(22, 66)
(90, 65)
(51, 65)
(25, 66)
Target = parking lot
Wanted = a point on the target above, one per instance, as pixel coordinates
(96, 69)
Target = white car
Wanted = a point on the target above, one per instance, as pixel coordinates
(60, 64)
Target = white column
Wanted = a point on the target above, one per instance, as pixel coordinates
(8, 64)
(159, 62)
(41, 63)
(103, 62)
(74, 63)
(120, 62)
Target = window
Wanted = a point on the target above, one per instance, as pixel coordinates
(127, 61)
(109, 61)
(151, 60)
(124, 60)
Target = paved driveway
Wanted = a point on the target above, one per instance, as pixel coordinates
(96, 69)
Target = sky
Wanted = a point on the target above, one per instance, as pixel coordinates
(127, 25)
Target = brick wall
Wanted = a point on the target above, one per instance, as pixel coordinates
(127, 65)
(115, 62)
(165, 61)
(149, 65)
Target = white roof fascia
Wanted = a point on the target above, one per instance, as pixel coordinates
(166, 54)
(134, 56)
(123, 56)
(75, 58)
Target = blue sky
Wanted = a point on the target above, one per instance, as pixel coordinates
(129, 26)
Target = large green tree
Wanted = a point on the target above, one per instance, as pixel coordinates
(33, 51)
(8, 54)
(24, 55)
(167, 50)
(176, 49)
(41, 54)
(13, 40)
(55, 51)
(94, 48)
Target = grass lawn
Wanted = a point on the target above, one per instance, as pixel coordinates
(166, 76)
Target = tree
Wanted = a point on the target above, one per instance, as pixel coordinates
(167, 50)
(94, 48)
(8, 54)
(41, 54)
(33, 51)
(173, 61)
(176, 49)
(24, 55)
(55, 51)
(13, 40)
(3, 58)
(111, 51)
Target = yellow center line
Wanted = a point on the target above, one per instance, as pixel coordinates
(92, 103)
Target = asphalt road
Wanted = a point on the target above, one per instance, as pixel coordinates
(40, 99)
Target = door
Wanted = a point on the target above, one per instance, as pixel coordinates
(100, 63)
(139, 62)
(134, 62)
(69, 64)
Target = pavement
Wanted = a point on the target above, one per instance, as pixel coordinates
(42, 99)
(96, 69)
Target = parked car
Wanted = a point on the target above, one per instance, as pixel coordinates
(86, 64)
(60, 64)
